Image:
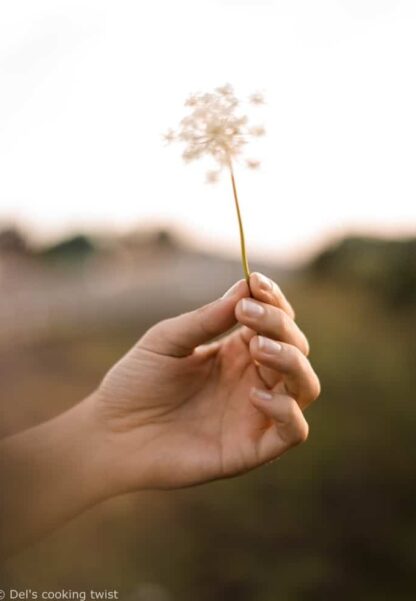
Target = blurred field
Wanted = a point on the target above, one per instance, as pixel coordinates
(334, 519)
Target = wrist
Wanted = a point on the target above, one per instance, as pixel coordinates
(49, 474)
(90, 448)
(115, 451)
(131, 448)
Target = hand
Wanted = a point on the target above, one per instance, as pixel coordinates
(173, 412)
(177, 411)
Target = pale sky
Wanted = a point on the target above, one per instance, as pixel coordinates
(87, 87)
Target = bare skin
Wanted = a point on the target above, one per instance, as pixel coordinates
(176, 411)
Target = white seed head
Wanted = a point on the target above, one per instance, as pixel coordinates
(213, 127)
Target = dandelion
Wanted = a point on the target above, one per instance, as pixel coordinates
(214, 127)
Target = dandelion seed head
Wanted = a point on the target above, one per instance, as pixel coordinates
(215, 127)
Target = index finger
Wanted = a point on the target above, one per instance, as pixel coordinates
(266, 290)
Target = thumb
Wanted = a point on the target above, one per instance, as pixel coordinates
(178, 336)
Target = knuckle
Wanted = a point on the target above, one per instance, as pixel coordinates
(291, 411)
(297, 359)
(301, 432)
(298, 428)
(306, 346)
(316, 388)
(313, 390)
(277, 291)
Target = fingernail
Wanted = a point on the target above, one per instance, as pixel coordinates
(251, 308)
(262, 395)
(265, 283)
(269, 346)
(231, 290)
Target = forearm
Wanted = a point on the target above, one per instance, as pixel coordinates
(48, 475)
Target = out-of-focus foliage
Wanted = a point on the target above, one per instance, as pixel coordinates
(12, 241)
(72, 250)
(388, 267)
(333, 519)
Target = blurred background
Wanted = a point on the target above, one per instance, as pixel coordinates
(103, 231)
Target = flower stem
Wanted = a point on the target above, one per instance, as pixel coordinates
(244, 260)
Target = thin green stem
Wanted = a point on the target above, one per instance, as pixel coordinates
(244, 260)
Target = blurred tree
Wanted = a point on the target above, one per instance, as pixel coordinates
(388, 267)
(13, 242)
(73, 250)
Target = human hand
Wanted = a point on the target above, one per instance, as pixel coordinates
(173, 412)
(176, 411)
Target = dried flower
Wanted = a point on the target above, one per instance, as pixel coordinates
(215, 128)
(212, 176)
(169, 136)
(257, 98)
(252, 163)
(257, 131)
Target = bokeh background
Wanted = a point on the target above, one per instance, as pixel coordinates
(103, 231)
